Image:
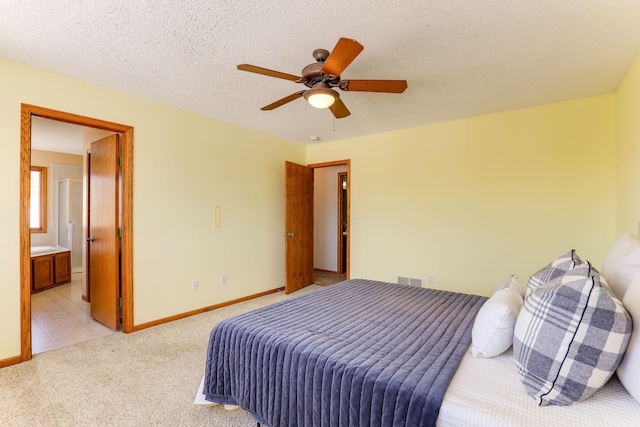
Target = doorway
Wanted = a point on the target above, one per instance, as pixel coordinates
(343, 220)
(299, 271)
(126, 233)
(331, 222)
(60, 313)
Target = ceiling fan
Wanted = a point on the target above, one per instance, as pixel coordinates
(324, 75)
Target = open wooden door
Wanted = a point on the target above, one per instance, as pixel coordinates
(104, 212)
(298, 227)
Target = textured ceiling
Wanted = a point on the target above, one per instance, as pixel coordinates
(460, 58)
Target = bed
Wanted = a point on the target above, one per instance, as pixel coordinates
(363, 352)
(357, 353)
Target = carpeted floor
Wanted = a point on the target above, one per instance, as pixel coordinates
(147, 378)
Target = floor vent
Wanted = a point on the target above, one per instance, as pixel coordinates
(411, 281)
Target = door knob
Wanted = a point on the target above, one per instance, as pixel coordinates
(90, 239)
(289, 234)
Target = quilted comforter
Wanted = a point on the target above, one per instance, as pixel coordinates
(358, 353)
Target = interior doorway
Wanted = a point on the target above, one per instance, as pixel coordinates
(299, 267)
(331, 222)
(60, 311)
(343, 220)
(126, 232)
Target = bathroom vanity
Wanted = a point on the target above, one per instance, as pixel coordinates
(49, 267)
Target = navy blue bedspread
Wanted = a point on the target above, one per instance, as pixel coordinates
(358, 353)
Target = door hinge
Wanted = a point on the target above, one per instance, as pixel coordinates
(119, 161)
(118, 232)
(119, 303)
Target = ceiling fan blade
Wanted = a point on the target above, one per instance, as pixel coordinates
(339, 110)
(283, 101)
(267, 72)
(345, 51)
(390, 86)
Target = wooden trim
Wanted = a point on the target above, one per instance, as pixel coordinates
(204, 310)
(75, 119)
(127, 231)
(332, 163)
(25, 235)
(10, 361)
(127, 213)
(346, 162)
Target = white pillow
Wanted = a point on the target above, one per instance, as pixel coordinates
(621, 264)
(630, 365)
(492, 332)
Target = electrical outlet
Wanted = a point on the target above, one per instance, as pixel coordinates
(431, 279)
(195, 285)
(223, 279)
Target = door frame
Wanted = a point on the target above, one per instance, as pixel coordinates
(346, 162)
(341, 204)
(27, 111)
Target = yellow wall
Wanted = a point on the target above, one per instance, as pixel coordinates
(468, 201)
(473, 201)
(628, 152)
(184, 165)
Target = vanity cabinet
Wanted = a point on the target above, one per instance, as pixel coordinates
(50, 270)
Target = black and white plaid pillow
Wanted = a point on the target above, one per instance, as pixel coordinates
(556, 268)
(569, 337)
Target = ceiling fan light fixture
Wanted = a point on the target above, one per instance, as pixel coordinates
(321, 97)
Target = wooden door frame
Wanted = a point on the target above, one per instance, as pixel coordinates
(346, 162)
(27, 111)
(341, 252)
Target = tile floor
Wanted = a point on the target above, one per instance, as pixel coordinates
(326, 278)
(60, 317)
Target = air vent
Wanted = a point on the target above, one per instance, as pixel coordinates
(410, 281)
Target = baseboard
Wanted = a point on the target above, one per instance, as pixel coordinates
(202, 310)
(10, 361)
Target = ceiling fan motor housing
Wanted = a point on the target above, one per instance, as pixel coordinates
(312, 73)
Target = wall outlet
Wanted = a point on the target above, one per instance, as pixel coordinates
(223, 279)
(431, 279)
(195, 285)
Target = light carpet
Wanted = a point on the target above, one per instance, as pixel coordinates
(147, 378)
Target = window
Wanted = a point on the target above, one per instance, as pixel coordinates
(38, 214)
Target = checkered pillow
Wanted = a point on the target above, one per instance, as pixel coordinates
(570, 336)
(556, 268)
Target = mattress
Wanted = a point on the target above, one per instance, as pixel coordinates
(356, 353)
(489, 392)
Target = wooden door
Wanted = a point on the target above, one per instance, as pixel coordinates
(104, 259)
(298, 227)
